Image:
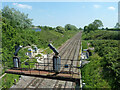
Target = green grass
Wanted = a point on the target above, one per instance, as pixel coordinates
(47, 51)
(8, 80)
(61, 39)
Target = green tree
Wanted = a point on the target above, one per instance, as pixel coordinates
(85, 28)
(106, 28)
(46, 28)
(97, 24)
(60, 29)
(50, 28)
(80, 28)
(70, 27)
(117, 26)
(93, 26)
(16, 18)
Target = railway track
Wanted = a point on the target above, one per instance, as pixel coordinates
(68, 51)
(73, 55)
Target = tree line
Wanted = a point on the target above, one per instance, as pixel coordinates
(60, 29)
(98, 25)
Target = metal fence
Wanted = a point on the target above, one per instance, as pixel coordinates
(46, 64)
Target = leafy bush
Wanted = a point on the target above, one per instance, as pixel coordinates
(84, 44)
(101, 35)
(92, 73)
(106, 44)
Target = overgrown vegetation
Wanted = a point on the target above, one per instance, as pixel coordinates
(101, 35)
(8, 80)
(103, 71)
(84, 44)
(92, 73)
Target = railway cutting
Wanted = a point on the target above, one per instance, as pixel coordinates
(59, 70)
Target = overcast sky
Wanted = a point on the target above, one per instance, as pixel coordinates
(62, 13)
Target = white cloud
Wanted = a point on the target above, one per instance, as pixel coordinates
(23, 6)
(96, 6)
(111, 8)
